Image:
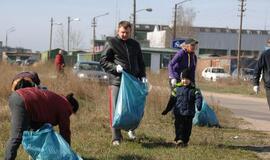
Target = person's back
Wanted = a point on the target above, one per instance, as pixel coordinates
(44, 105)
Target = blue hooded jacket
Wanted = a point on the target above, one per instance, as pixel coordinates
(184, 99)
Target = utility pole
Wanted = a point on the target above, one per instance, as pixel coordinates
(70, 20)
(94, 25)
(134, 20)
(242, 10)
(50, 38)
(68, 34)
(94, 34)
(12, 29)
(174, 21)
(175, 16)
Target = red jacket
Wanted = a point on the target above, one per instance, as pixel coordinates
(45, 106)
(59, 59)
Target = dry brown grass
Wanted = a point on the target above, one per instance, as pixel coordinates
(91, 136)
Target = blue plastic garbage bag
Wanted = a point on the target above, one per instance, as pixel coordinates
(130, 103)
(46, 144)
(205, 117)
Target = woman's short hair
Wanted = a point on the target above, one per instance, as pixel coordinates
(24, 79)
(22, 83)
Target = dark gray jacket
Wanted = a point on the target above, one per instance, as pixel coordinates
(127, 53)
(263, 66)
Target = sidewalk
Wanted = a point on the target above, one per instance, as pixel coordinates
(253, 110)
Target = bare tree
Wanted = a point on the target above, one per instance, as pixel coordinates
(76, 40)
(184, 22)
(60, 38)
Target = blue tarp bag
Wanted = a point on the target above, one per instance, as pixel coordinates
(131, 98)
(205, 117)
(46, 144)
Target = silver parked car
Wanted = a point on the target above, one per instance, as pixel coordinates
(90, 70)
(247, 74)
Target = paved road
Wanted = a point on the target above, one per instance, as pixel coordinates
(253, 110)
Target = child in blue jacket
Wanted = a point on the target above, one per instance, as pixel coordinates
(183, 99)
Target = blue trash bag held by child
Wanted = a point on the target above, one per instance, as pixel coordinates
(205, 117)
(131, 98)
(46, 144)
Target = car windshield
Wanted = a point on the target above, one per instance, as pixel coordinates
(218, 70)
(89, 66)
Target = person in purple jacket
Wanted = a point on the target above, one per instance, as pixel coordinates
(183, 59)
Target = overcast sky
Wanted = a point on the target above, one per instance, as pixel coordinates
(31, 18)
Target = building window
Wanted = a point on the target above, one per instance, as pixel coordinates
(218, 30)
(264, 32)
(207, 30)
(165, 27)
(233, 30)
(202, 30)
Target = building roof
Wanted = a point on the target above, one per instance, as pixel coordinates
(231, 30)
(159, 50)
(150, 27)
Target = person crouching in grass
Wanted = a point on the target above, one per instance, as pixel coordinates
(185, 96)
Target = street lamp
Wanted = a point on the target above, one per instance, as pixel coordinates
(134, 17)
(70, 20)
(175, 15)
(11, 29)
(51, 32)
(145, 9)
(94, 24)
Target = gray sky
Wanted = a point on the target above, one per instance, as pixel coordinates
(31, 17)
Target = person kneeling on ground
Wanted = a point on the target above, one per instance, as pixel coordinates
(184, 98)
(31, 107)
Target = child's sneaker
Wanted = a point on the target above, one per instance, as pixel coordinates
(178, 143)
(116, 143)
(131, 135)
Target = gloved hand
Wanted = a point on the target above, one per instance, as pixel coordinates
(119, 69)
(173, 82)
(256, 89)
(164, 113)
(144, 80)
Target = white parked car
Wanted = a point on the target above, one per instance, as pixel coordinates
(214, 73)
